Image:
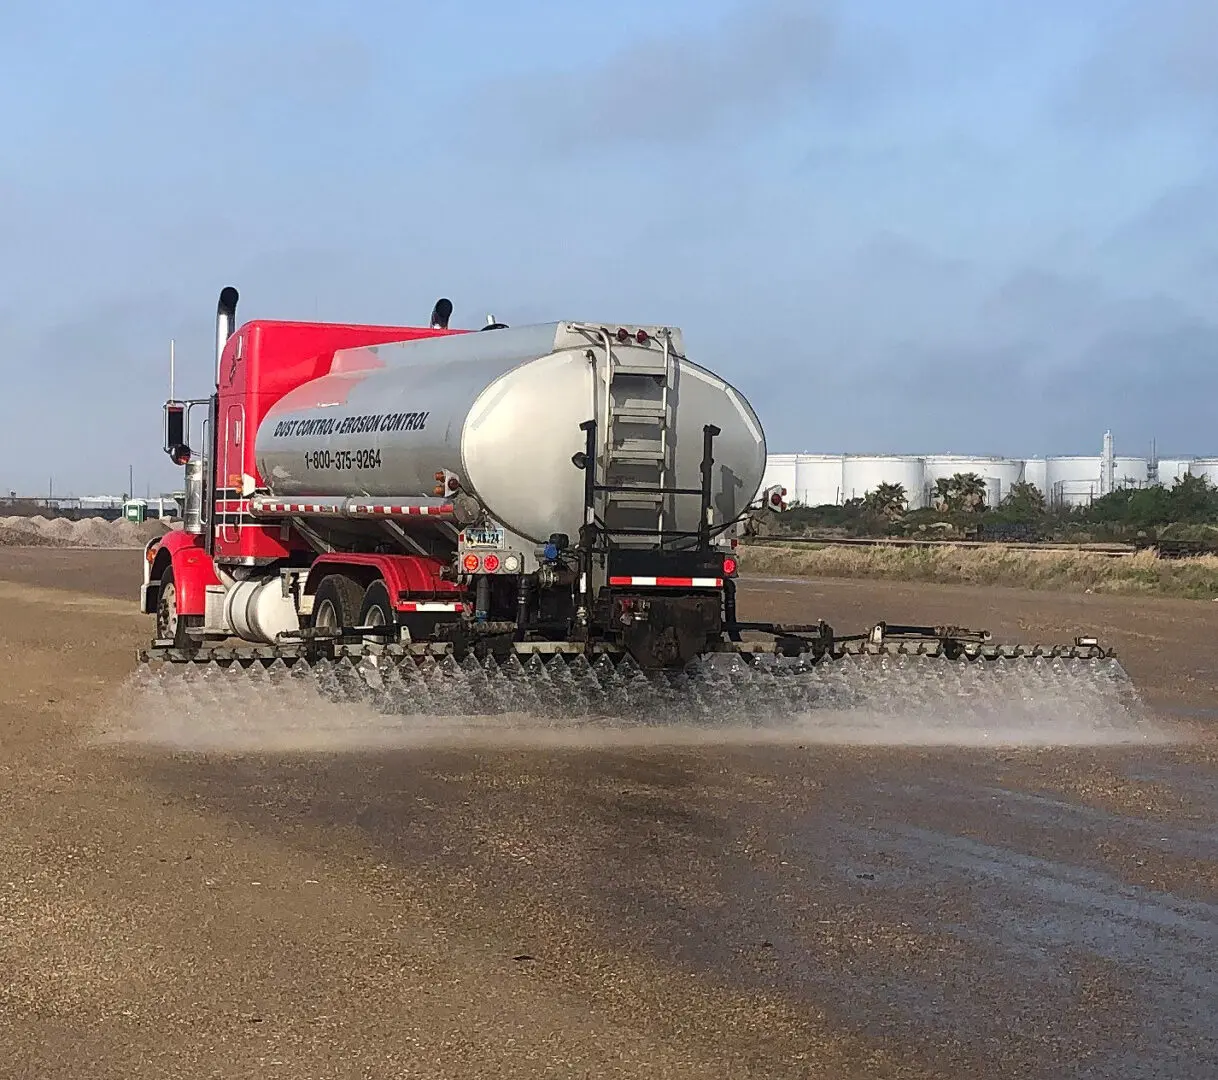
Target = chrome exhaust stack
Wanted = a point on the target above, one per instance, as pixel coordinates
(226, 323)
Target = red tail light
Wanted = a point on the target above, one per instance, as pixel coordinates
(470, 562)
(729, 565)
(490, 564)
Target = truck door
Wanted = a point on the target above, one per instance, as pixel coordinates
(228, 516)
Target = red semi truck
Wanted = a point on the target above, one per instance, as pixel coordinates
(558, 490)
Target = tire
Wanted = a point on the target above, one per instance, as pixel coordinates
(377, 608)
(336, 602)
(169, 624)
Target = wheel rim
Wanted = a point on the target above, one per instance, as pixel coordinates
(167, 612)
(375, 616)
(326, 618)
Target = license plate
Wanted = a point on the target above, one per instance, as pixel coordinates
(492, 538)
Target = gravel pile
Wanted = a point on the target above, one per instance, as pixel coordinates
(94, 532)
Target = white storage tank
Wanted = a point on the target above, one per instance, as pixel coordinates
(1207, 467)
(1034, 473)
(862, 473)
(1072, 480)
(818, 479)
(780, 469)
(999, 473)
(1130, 472)
(1172, 469)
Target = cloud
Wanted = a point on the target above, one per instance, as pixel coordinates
(236, 86)
(1158, 62)
(749, 70)
(1041, 362)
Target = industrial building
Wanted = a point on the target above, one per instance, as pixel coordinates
(834, 479)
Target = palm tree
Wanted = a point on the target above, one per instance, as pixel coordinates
(971, 490)
(887, 501)
(1025, 498)
(961, 493)
(943, 493)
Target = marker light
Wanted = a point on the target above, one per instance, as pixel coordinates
(511, 564)
(470, 562)
(729, 566)
(490, 564)
(623, 335)
(642, 337)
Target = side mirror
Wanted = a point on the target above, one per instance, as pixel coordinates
(175, 433)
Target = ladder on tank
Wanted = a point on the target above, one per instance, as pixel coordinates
(637, 456)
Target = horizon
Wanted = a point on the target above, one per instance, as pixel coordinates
(889, 228)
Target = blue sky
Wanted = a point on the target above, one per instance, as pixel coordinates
(950, 226)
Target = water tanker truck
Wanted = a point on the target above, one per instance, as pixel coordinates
(556, 499)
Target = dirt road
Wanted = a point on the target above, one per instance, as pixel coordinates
(700, 912)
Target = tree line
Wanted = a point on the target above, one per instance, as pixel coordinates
(960, 506)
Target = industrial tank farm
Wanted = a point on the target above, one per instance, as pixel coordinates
(1064, 480)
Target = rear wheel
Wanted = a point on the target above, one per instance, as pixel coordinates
(170, 626)
(377, 609)
(336, 602)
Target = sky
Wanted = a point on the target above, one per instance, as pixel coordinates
(955, 226)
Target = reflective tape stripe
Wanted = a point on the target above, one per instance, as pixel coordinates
(671, 582)
(428, 606)
(273, 506)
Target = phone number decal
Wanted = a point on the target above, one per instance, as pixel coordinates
(343, 460)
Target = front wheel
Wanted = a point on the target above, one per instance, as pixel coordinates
(170, 625)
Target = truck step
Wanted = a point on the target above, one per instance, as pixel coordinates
(640, 365)
(641, 499)
(636, 450)
(638, 415)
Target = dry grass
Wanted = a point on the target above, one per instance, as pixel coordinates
(1059, 571)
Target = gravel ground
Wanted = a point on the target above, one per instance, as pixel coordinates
(701, 911)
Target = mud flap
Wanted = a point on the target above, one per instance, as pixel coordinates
(665, 631)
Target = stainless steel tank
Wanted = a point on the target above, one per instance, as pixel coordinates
(501, 409)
